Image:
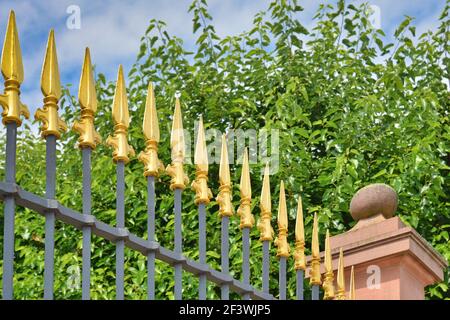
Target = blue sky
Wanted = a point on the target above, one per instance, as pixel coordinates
(112, 29)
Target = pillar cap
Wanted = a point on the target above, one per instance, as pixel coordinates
(372, 200)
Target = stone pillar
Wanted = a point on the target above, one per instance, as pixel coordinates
(392, 261)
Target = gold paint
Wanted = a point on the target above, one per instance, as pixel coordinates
(283, 249)
(224, 196)
(122, 120)
(175, 169)
(245, 210)
(315, 256)
(87, 96)
(340, 294)
(52, 124)
(299, 252)
(328, 282)
(149, 157)
(12, 70)
(264, 225)
(352, 294)
(200, 184)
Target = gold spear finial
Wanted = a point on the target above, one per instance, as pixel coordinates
(299, 252)
(244, 211)
(87, 96)
(340, 294)
(264, 225)
(52, 124)
(121, 120)
(224, 196)
(200, 184)
(149, 157)
(175, 169)
(352, 293)
(283, 249)
(12, 70)
(315, 255)
(328, 282)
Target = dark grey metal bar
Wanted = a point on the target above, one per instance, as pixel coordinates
(8, 228)
(299, 286)
(266, 266)
(120, 220)
(315, 293)
(178, 245)
(113, 234)
(282, 278)
(151, 203)
(202, 249)
(50, 191)
(225, 249)
(246, 259)
(87, 198)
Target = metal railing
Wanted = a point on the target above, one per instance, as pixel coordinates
(52, 126)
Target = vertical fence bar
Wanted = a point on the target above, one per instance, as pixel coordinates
(87, 198)
(315, 292)
(202, 197)
(299, 284)
(202, 249)
(120, 156)
(120, 220)
(246, 219)
(225, 248)
(282, 278)
(315, 277)
(266, 266)
(177, 184)
(178, 244)
(51, 127)
(151, 236)
(225, 212)
(299, 251)
(88, 140)
(8, 234)
(265, 227)
(283, 249)
(246, 259)
(50, 190)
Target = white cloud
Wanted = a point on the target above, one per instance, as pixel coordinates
(112, 29)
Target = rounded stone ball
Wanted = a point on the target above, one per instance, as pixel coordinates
(372, 200)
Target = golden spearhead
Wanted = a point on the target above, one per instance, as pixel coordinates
(87, 96)
(122, 120)
(12, 70)
(299, 252)
(340, 294)
(52, 124)
(328, 282)
(200, 184)
(352, 293)
(315, 256)
(283, 249)
(264, 225)
(175, 169)
(224, 196)
(245, 211)
(149, 157)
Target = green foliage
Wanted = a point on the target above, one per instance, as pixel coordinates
(351, 108)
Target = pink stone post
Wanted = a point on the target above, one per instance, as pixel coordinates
(392, 261)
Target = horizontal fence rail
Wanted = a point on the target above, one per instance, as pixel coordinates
(52, 126)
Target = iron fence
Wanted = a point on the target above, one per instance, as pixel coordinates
(51, 128)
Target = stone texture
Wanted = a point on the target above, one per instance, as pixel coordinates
(372, 200)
